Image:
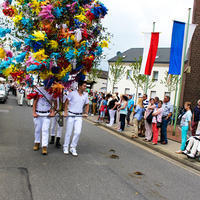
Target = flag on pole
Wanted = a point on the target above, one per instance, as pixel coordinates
(177, 45)
(149, 52)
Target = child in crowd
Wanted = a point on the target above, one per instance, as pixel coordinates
(156, 122)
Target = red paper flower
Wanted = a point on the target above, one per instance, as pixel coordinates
(9, 12)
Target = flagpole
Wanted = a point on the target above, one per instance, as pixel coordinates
(176, 90)
(182, 70)
(147, 81)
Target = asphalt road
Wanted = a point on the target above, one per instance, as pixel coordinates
(27, 175)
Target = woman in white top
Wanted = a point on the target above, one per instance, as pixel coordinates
(185, 126)
(156, 122)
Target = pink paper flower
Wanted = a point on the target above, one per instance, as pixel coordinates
(46, 12)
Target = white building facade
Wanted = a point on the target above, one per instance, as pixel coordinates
(160, 68)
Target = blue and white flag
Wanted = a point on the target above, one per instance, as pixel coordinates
(178, 44)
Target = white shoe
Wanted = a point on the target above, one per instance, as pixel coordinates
(186, 152)
(92, 115)
(190, 155)
(73, 152)
(66, 151)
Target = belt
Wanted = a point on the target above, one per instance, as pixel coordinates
(76, 113)
(43, 111)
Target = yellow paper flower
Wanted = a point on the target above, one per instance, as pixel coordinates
(44, 75)
(53, 44)
(2, 53)
(17, 18)
(35, 5)
(7, 71)
(104, 43)
(64, 72)
(40, 55)
(84, 72)
(81, 17)
(39, 35)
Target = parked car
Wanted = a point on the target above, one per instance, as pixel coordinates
(3, 94)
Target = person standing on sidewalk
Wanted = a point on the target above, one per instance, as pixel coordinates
(142, 126)
(123, 112)
(112, 109)
(138, 115)
(94, 103)
(167, 113)
(74, 104)
(195, 118)
(156, 122)
(42, 111)
(130, 108)
(148, 124)
(185, 126)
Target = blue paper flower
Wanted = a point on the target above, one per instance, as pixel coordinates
(55, 55)
(48, 82)
(17, 45)
(4, 31)
(58, 12)
(20, 57)
(70, 55)
(66, 77)
(33, 68)
(5, 64)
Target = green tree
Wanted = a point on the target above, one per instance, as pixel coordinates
(170, 81)
(117, 70)
(94, 74)
(139, 80)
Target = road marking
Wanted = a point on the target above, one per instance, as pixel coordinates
(4, 111)
(196, 172)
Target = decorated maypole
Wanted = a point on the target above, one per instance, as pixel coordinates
(57, 40)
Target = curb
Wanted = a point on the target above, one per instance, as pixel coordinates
(165, 153)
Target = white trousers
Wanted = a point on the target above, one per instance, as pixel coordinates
(112, 116)
(42, 124)
(20, 99)
(76, 124)
(193, 145)
(148, 132)
(53, 128)
(30, 102)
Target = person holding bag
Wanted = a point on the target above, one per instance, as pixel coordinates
(148, 120)
(157, 122)
(185, 126)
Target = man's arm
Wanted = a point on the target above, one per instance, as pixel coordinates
(34, 107)
(66, 108)
(86, 110)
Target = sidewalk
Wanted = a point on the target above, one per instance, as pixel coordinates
(167, 150)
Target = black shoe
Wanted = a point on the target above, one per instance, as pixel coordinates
(52, 140)
(140, 135)
(58, 145)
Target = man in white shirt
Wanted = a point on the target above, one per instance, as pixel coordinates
(42, 111)
(54, 122)
(74, 104)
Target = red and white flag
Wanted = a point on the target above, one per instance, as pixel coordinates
(149, 52)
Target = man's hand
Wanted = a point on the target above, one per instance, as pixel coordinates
(85, 115)
(65, 114)
(52, 114)
(35, 115)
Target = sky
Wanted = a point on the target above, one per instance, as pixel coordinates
(127, 20)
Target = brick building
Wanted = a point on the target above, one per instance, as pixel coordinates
(191, 79)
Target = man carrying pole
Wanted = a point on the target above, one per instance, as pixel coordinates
(74, 105)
